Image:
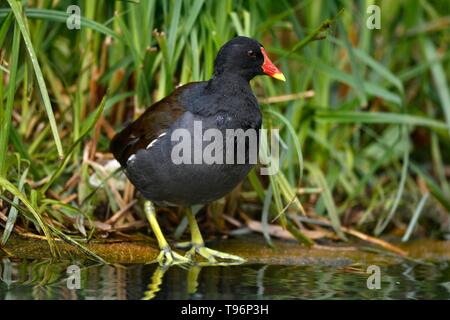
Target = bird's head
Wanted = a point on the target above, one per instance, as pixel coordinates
(247, 58)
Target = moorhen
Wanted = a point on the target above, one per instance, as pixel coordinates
(145, 148)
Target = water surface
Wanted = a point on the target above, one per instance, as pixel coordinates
(48, 279)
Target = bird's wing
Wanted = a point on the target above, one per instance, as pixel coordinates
(153, 122)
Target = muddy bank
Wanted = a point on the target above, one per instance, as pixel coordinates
(253, 248)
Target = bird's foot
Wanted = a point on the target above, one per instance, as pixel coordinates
(168, 257)
(212, 255)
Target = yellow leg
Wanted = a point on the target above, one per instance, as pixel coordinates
(192, 279)
(198, 246)
(196, 235)
(155, 285)
(166, 256)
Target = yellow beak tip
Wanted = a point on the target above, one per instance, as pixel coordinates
(279, 76)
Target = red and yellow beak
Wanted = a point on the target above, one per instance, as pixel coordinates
(270, 69)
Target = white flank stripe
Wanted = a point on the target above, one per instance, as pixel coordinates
(151, 144)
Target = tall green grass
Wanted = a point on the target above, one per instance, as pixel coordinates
(374, 138)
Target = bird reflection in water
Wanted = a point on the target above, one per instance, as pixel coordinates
(193, 272)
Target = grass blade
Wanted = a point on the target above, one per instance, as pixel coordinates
(6, 115)
(382, 225)
(61, 16)
(433, 186)
(66, 160)
(327, 197)
(298, 147)
(415, 217)
(15, 6)
(439, 79)
(377, 117)
(12, 215)
(16, 193)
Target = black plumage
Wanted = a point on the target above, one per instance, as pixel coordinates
(226, 101)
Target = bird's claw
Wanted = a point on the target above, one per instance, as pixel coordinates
(168, 257)
(211, 255)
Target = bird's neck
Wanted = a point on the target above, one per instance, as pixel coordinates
(230, 82)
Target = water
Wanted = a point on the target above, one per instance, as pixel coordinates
(47, 279)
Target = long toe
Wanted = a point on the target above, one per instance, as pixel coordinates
(225, 256)
(214, 257)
